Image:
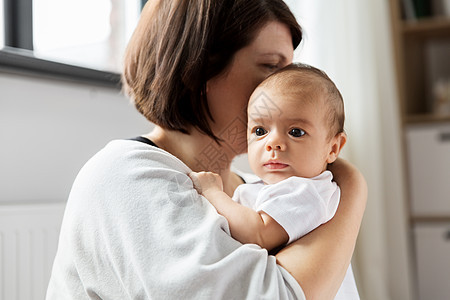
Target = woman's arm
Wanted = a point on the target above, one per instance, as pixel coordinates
(246, 225)
(320, 259)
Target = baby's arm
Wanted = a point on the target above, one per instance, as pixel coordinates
(246, 225)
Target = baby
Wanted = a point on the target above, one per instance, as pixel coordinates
(295, 129)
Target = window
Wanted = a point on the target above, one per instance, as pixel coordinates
(66, 37)
(2, 26)
(87, 33)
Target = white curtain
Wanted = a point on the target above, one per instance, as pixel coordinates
(351, 41)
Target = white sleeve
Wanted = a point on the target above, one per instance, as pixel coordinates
(299, 205)
(134, 228)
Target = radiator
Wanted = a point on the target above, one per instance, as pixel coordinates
(28, 243)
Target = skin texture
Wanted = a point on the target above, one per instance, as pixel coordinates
(228, 93)
(290, 137)
(317, 261)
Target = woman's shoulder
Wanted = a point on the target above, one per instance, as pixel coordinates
(128, 162)
(120, 153)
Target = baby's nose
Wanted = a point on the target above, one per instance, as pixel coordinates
(275, 142)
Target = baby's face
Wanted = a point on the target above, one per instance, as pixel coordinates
(288, 135)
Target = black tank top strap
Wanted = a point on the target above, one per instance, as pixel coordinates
(144, 140)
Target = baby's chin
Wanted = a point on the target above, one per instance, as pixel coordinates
(274, 178)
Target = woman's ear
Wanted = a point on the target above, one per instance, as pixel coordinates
(337, 142)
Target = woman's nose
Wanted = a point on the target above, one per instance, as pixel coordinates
(275, 142)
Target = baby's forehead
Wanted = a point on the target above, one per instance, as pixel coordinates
(301, 81)
(297, 79)
(267, 95)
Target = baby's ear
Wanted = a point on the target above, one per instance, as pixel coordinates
(337, 142)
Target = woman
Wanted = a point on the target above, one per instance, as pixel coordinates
(134, 226)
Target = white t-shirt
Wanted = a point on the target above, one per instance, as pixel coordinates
(135, 228)
(299, 205)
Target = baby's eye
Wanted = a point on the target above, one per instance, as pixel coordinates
(297, 132)
(259, 131)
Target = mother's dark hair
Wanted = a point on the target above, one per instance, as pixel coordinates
(179, 45)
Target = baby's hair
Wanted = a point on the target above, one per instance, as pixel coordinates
(299, 78)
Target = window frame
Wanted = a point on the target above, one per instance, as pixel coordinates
(23, 62)
(17, 55)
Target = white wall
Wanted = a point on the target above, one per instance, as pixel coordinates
(50, 128)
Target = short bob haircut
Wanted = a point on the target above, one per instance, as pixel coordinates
(179, 45)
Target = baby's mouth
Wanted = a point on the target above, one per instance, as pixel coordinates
(275, 165)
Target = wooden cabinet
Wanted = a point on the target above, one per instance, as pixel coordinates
(422, 57)
(423, 60)
(428, 160)
(432, 247)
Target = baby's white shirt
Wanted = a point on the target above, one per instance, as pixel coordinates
(298, 204)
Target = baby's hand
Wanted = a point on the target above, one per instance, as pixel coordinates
(206, 181)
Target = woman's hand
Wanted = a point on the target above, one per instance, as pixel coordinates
(345, 173)
(320, 259)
